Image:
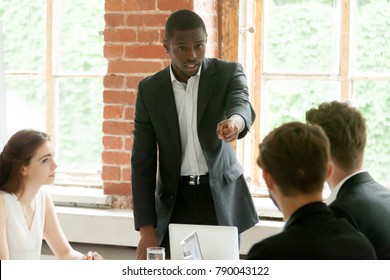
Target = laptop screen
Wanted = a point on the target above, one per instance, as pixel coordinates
(215, 242)
(191, 247)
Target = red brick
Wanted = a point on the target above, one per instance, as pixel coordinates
(113, 5)
(113, 51)
(132, 82)
(112, 142)
(118, 128)
(113, 81)
(120, 158)
(112, 112)
(148, 51)
(129, 143)
(149, 36)
(166, 62)
(119, 35)
(129, 113)
(117, 188)
(119, 97)
(114, 20)
(133, 66)
(146, 20)
(162, 33)
(111, 173)
(139, 5)
(126, 174)
(175, 5)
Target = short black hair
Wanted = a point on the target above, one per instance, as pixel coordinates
(183, 20)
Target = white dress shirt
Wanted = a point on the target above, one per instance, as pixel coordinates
(193, 161)
(333, 195)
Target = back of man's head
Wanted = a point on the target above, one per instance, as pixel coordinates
(346, 129)
(296, 155)
(183, 20)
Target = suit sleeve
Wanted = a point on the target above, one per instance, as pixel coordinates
(238, 98)
(143, 165)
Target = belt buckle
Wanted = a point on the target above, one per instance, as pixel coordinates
(194, 180)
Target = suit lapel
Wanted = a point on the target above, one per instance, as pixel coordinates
(169, 105)
(208, 79)
(207, 83)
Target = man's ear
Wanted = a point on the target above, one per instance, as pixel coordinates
(166, 45)
(330, 170)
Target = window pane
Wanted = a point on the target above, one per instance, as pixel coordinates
(26, 104)
(81, 47)
(373, 36)
(373, 99)
(80, 119)
(298, 39)
(289, 100)
(23, 34)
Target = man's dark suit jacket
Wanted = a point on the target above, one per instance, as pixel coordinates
(366, 205)
(222, 93)
(314, 233)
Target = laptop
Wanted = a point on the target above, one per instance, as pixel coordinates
(215, 242)
(191, 248)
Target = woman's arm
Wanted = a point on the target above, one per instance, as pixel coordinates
(4, 253)
(54, 235)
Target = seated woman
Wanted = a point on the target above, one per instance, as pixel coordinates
(27, 214)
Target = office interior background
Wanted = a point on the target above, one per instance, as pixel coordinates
(72, 67)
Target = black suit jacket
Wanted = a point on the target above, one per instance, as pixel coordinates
(314, 233)
(157, 146)
(366, 205)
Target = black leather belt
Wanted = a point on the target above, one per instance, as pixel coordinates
(195, 180)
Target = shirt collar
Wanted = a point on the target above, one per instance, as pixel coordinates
(335, 191)
(173, 77)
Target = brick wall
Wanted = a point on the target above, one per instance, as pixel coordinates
(133, 48)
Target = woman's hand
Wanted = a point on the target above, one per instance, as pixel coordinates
(92, 256)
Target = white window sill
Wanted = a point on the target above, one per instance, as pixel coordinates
(79, 197)
(91, 220)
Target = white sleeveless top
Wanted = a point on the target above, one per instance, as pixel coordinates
(24, 243)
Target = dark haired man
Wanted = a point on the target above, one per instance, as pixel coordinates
(186, 117)
(295, 163)
(355, 195)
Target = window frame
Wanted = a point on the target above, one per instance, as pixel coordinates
(51, 76)
(252, 15)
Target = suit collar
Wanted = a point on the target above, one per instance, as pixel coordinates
(169, 105)
(355, 180)
(333, 195)
(308, 212)
(208, 80)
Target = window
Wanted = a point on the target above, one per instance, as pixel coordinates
(54, 67)
(299, 57)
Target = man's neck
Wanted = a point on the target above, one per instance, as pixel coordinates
(339, 174)
(291, 204)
